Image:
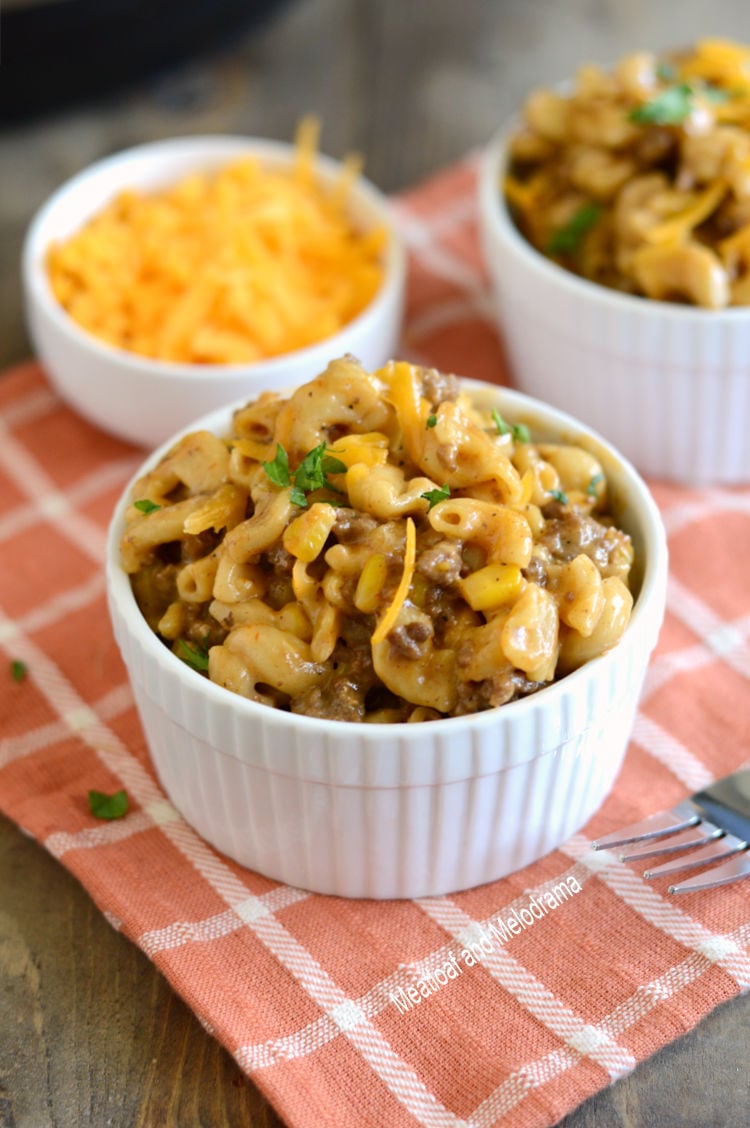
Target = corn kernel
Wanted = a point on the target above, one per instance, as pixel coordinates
(370, 583)
(491, 586)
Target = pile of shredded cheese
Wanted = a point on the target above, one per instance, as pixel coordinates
(233, 267)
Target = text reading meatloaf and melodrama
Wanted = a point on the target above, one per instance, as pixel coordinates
(482, 941)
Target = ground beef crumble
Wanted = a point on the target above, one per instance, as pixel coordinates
(410, 641)
(439, 387)
(442, 563)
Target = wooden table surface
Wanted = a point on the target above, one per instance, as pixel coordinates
(90, 1033)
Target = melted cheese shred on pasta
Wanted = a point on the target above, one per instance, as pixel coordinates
(386, 624)
(231, 267)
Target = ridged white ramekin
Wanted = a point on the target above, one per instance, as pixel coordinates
(401, 810)
(668, 385)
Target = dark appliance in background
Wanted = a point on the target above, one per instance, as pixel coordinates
(56, 53)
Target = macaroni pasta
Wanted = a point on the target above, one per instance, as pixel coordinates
(377, 547)
(639, 177)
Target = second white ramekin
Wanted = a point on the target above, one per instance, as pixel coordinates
(668, 385)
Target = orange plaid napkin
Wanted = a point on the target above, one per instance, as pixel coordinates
(310, 993)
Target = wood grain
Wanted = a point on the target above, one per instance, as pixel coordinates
(91, 1032)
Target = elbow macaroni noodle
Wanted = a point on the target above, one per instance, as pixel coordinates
(639, 177)
(376, 547)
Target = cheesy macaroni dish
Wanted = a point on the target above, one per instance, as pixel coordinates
(639, 177)
(377, 547)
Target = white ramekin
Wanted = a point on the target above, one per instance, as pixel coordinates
(402, 810)
(668, 385)
(145, 400)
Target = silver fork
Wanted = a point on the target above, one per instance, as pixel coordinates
(712, 825)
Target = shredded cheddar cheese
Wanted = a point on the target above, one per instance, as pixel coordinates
(411, 408)
(680, 225)
(230, 267)
(388, 621)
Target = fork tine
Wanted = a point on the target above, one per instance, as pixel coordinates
(720, 848)
(732, 870)
(680, 817)
(696, 835)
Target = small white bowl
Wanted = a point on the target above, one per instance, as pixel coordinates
(668, 385)
(144, 400)
(403, 810)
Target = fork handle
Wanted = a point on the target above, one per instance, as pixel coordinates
(727, 803)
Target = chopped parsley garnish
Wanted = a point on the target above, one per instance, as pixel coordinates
(311, 474)
(437, 495)
(18, 670)
(666, 71)
(104, 806)
(519, 431)
(559, 495)
(146, 506)
(431, 420)
(503, 428)
(193, 654)
(670, 107)
(567, 239)
(278, 469)
(593, 487)
(675, 103)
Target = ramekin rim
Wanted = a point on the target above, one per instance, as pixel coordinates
(37, 288)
